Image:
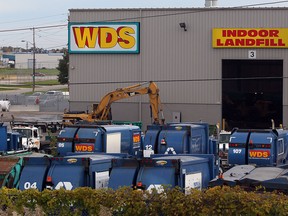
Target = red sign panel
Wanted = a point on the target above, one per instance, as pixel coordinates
(259, 153)
(84, 147)
(136, 138)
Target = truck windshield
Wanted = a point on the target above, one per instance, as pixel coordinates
(224, 138)
(24, 132)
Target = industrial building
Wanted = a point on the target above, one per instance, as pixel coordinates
(42, 60)
(209, 63)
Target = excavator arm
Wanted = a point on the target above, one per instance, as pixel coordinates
(103, 109)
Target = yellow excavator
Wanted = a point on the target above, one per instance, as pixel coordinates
(102, 111)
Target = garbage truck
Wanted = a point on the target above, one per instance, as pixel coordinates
(184, 171)
(262, 147)
(179, 138)
(257, 157)
(10, 142)
(91, 138)
(69, 172)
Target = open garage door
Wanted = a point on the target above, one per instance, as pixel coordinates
(252, 92)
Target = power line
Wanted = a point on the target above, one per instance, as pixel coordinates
(54, 47)
(188, 80)
(268, 3)
(152, 16)
(30, 28)
(37, 18)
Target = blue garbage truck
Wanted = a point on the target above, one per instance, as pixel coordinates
(265, 147)
(257, 157)
(69, 172)
(159, 171)
(91, 138)
(10, 142)
(179, 138)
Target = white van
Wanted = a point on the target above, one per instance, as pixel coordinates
(5, 105)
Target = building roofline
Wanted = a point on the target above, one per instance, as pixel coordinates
(179, 9)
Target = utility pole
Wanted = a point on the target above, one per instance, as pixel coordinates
(34, 60)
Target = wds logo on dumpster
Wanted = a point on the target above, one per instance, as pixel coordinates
(104, 37)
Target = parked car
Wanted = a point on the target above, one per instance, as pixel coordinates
(34, 98)
(54, 93)
(5, 105)
(66, 95)
(38, 74)
(51, 97)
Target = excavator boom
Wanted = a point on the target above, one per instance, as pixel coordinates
(102, 110)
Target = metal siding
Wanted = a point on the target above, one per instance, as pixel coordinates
(183, 64)
(100, 68)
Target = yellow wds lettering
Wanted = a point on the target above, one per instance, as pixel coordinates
(85, 36)
(126, 41)
(108, 38)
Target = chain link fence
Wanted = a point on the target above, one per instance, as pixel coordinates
(43, 104)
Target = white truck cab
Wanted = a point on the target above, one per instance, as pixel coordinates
(30, 136)
(224, 138)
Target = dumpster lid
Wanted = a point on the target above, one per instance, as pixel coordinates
(182, 158)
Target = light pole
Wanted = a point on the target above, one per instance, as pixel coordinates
(34, 60)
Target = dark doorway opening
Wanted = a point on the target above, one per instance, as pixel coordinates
(252, 93)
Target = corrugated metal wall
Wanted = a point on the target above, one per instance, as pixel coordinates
(182, 63)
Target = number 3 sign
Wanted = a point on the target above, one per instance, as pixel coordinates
(252, 54)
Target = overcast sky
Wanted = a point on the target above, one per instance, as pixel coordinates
(17, 14)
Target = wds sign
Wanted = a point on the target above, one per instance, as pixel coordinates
(104, 37)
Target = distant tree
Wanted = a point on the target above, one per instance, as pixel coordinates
(63, 66)
(7, 49)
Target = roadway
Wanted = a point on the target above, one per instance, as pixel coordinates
(37, 88)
